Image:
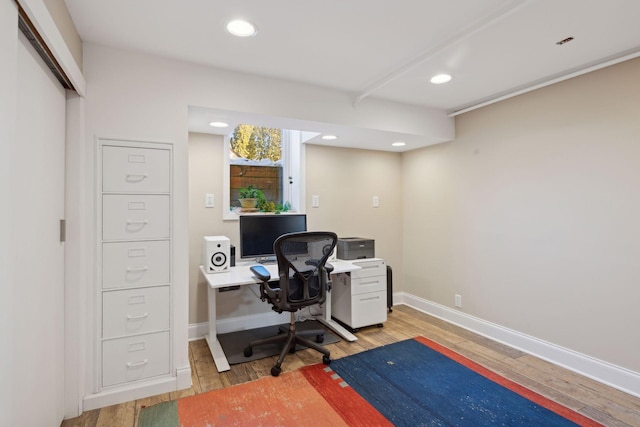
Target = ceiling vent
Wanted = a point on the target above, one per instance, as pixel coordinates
(27, 28)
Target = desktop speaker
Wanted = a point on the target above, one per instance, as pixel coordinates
(217, 254)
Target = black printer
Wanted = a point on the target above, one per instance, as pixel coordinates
(355, 248)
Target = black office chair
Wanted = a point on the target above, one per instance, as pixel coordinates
(304, 277)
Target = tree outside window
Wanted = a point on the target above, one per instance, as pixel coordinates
(269, 159)
(256, 160)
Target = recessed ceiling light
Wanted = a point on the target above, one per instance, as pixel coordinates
(399, 144)
(440, 78)
(219, 124)
(241, 28)
(329, 137)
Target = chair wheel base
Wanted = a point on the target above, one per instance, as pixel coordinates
(320, 338)
(275, 371)
(326, 360)
(248, 352)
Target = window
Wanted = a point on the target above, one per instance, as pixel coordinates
(268, 159)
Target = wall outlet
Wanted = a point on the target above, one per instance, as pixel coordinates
(458, 300)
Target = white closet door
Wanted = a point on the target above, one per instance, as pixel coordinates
(37, 205)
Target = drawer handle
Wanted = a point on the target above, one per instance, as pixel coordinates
(136, 177)
(369, 299)
(137, 222)
(370, 283)
(136, 364)
(138, 317)
(369, 266)
(132, 269)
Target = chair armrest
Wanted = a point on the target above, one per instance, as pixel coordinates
(261, 273)
(328, 267)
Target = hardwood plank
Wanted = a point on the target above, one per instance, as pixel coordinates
(116, 415)
(598, 401)
(87, 419)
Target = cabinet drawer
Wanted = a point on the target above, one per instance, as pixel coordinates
(135, 358)
(369, 268)
(128, 169)
(135, 217)
(368, 284)
(368, 309)
(135, 311)
(135, 263)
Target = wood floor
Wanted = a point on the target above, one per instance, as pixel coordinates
(597, 401)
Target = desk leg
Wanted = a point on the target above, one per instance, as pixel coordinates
(219, 358)
(326, 319)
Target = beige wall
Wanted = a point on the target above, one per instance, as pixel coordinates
(205, 176)
(345, 179)
(532, 215)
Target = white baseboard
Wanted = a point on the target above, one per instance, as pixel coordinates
(615, 376)
(601, 371)
(183, 378)
(199, 330)
(130, 392)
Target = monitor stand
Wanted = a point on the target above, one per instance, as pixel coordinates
(266, 260)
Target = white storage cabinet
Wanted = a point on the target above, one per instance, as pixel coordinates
(360, 300)
(135, 258)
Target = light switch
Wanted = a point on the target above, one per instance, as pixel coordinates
(376, 202)
(209, 200)
(315, 201)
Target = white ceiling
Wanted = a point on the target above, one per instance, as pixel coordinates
(376, 48)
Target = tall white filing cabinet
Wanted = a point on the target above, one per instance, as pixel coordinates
(135, 264)
(361, 300)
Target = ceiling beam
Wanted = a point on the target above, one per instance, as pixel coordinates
(476, 26)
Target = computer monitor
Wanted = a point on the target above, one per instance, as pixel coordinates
(258, 232)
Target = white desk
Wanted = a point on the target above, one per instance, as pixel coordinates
(241, 275)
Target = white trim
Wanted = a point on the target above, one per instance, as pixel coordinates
(78, 271)
(615, 376)
(39, 15)
(183, 378)
(240, 323)
(227, 215)
(484, 22)
(599, 370)
(197, 331)
(132, 391)
(548, 82)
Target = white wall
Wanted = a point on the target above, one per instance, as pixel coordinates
(8, 275)
(133, 96)
(531, 214)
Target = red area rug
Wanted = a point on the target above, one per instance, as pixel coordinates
(310, 396)
(413, 382)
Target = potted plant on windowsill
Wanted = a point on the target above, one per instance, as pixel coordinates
(249, 197)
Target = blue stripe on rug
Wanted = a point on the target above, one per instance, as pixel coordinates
(413, 385)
